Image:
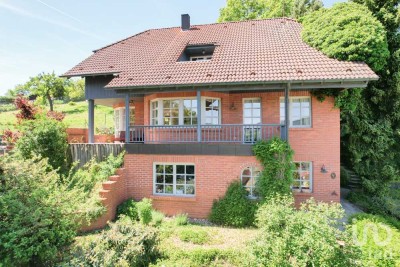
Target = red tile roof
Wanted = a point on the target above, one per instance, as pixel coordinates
(255, 51)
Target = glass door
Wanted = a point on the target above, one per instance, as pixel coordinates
(251, 120)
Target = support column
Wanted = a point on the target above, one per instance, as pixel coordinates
(287, 103)
(127, 120)
(198, 97)
(91, 121)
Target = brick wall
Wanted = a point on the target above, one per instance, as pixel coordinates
(113, 193)
(319, 144)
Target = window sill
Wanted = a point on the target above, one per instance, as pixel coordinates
(174, 198)
(304, 192)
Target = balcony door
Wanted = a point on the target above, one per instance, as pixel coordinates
(251, 120)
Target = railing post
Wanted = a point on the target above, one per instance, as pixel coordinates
(198, 94)
(127, 119)
(91, 121)
(287, 117)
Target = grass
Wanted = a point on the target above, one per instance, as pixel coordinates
(195, 245)
(76, 115)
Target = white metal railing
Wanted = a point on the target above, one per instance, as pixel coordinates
(221, 133)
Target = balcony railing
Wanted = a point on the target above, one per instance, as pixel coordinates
(222, 133)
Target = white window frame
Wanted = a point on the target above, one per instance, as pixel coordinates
(174, 184)
(300, 189)
(252, 176)
(119, 125)
(181, 110)
(201, 58)
(282, 99)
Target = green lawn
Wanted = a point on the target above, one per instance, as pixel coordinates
(76, 114)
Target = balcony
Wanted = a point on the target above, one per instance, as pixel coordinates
(222, 133)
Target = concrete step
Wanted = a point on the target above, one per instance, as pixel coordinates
(104, 193)
(109, 185)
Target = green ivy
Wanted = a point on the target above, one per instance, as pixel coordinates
(276, 157)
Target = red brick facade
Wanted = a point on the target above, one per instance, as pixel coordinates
(319, 144)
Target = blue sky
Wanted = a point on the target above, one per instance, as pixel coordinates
(53, 35)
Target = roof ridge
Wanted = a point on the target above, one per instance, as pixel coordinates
(176, 27)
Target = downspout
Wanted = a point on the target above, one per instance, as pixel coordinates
(127, 120)
(287, 102)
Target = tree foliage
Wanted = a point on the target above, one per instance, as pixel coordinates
(347, 31)
(370, 117)
(236, 10)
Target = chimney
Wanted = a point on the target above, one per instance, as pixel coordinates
(185, 22)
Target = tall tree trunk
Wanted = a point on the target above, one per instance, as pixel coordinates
(50, 101)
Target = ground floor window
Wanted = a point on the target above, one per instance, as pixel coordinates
(302, 177)
(249, 178)
(174, 179)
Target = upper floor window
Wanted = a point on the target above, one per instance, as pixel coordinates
(197, 53)
(302, 177)
(249, 178)
(119, 119)
(183, 111)
(299, 111)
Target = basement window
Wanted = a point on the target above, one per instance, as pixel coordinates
(197, 53)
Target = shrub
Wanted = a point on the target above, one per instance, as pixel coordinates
(144, 208)
(344, 177)
(276, 157)
(198, 236)
(234, 209)
(157, 217)
(378, 239)
(37, 212)
(181, 219)
(126, 243)
(44, 137)
(304, 237)
(128, 209)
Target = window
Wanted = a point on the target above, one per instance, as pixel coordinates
(197, 53)
(184, 111)
(119, 119)
(299, 111)
(174, 179)
(302, 177)
(251, 116)
(249, 178)
(211, 114)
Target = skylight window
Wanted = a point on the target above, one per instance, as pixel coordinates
(197, 53)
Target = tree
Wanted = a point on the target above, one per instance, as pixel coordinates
(48, 86)
(75, 91)
(236, 10)
(370, 117)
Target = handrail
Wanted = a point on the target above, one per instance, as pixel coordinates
(210, 133)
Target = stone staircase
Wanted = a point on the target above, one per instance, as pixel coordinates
(354, 181)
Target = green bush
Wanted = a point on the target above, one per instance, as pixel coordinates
(197, 236)
(276, 157)
(304, 237)
(378, 239)
(181, 219)
(234, 209)
(344, 177)
(129, 209)
(157, 217)
(126, 243)
(37, 212)
(144, 208)
(46, 138)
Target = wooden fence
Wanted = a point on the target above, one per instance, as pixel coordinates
(85, 152)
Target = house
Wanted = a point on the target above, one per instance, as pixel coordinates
(190, 101)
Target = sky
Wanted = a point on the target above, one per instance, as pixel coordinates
(54, 35)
